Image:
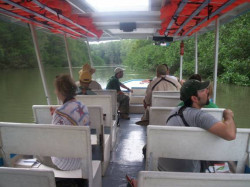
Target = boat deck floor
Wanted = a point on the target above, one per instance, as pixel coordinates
(126, 157)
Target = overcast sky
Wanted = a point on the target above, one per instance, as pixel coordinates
(119, 5)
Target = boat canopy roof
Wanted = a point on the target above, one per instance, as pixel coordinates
(163, 20)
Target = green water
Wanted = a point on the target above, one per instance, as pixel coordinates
(20, 89)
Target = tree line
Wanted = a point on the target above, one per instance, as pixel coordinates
(17, 51)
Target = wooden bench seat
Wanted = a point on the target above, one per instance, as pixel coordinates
(165, 101)
(195, 144)
(105, 101)
(113, 94)
(52, 140)
(166, 93)
(177, 179)
(42, 116)
(18, 177)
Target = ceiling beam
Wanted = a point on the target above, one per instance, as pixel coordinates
(8, 13)
(176, 14)
(62, 17)
(204, 4)
(81, 6)
(228, 3)
(43, 17)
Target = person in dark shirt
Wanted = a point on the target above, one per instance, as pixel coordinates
(122, 99)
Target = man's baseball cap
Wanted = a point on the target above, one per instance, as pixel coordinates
(117, 70)
(191, 87)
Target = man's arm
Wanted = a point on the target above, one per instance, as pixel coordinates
(123, 86)
(226, 129)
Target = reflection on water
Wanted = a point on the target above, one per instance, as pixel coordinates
(20, 89)
(237, 99)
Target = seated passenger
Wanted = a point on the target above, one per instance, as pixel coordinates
(168, 73)
(122, 99)
(93, 85)
(85, 79)
(65, 90)
(160, 83)
(195, 95)
(72, 112)
(210, 89)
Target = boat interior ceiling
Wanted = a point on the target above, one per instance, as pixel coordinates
(160, 20)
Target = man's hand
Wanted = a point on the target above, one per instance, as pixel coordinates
(228, 114)
(227, 128)
(131, 90)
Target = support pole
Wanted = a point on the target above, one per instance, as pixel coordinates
(196, 53)
(181, 59)
(181, 62)
(89, 52)
(217, 24)
(34, 38)
(68, 56)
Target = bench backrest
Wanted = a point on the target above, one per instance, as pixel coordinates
(42, 116)
(159, 115)
(48, 140)
(96, 121)
(162, 179)
(16, 177)
(167, 93)
(195, 144)
(113, 94)
(166, 101)
(104, 101)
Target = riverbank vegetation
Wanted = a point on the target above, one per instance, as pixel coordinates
(17, 51)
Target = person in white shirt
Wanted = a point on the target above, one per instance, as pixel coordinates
(160, 83)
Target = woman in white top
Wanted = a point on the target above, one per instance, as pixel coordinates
(72, 112)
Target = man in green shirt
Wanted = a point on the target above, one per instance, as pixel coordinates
(122, 99)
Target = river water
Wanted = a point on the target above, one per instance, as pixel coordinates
(20, 89)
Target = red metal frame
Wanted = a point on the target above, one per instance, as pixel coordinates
(168, 12)
(54, 13)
